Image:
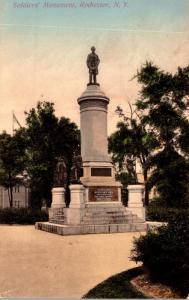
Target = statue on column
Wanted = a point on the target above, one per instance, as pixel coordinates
(60, 173)
(76, 170)
(131, 166)
(92, 63)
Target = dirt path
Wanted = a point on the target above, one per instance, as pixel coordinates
(39, 264)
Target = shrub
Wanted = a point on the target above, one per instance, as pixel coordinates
(159, 211)
(160, 214)
(164, 253)
(22, 216)
(171, 176)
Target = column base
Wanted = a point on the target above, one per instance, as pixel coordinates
(135, 202)
(58, 197)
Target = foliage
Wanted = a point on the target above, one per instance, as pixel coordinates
(40, 132)
(48, 138)
(159, 212)
(12, 161)
(124, 196)
(67, 145)
(163, 104)
(171, 177)
(157, 133)
(132, 138)
(164, 253)
(117, 286)
(22, 216)
(125, 179)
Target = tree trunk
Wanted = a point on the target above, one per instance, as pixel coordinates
(10, 195)
(67, 195)
(146, 192)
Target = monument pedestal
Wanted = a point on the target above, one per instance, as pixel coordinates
(100, 185)
(135, 200)
(56, 212)
(58, 197)
(74, 214)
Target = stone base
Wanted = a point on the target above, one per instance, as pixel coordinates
(58, 200)
(94, 215)
(92, 219)
(135, 201)
(140, 212)
(90, 229)
(97, 208)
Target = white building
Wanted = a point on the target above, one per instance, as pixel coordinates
(20, 196)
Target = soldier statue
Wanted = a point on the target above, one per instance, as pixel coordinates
(60, 173)
(76, 170)
(92, 63)
(131, 166)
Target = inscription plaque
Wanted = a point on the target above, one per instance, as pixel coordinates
(101, 172)
(104, 194)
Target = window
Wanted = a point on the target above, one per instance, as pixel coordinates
(17, 189)
(17, 204)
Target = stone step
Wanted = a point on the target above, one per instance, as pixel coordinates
(90, 229)
(106, 216)
(98, 216)
(105, 208)
(111, 219)
(55, 218)
(110, 216)
(56, 221)
(108, 221)
(107, 212)
(93, 209)
(105, 222)
(57, 215)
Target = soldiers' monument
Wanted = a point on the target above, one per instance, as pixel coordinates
(95, 205)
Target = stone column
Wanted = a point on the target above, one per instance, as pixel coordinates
(58, 197)
(77, 196)
(135, 201)
(76, 209)
(93, 120)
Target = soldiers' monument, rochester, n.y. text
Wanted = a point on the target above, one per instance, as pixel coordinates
(95, 205)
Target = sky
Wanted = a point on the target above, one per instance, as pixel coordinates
(43, 51)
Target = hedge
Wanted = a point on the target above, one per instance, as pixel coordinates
(22, 216)
(160, 214)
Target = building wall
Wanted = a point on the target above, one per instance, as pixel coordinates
(20, 197)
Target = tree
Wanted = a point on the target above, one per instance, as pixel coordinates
(48, 138)
(132, 138)
(67, 146)
(158, 131)
(163, 102)
(12, 161)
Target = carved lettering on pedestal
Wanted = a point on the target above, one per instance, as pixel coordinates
(103, 194)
